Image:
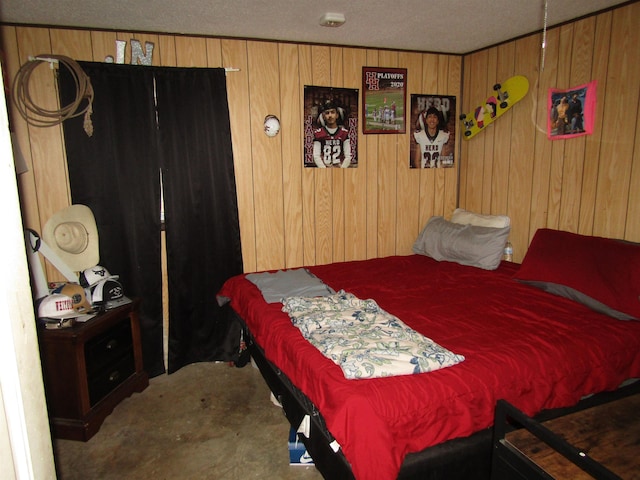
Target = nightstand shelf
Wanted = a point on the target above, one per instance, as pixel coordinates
(90, 368)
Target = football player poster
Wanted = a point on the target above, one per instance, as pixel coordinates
(384, 96)
(433, 133)
(330, 127)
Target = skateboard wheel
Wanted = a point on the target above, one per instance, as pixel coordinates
(504, 105)
(497, 87)
(463, 116)
(467, 133)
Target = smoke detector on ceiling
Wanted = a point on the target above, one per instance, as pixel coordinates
(332, 20)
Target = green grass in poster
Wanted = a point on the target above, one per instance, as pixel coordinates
(385, 110)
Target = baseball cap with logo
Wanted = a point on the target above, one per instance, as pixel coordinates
(78, 295)
(91, 276)
(56, 306)
(110, 294)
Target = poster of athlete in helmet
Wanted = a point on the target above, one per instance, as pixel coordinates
(433, 118)
(330, 127)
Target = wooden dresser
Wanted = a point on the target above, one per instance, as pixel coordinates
(89, 368)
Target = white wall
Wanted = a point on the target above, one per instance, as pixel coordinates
(25, 442)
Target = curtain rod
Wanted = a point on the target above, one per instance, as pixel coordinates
(55, 60)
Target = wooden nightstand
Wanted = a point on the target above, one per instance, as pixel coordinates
(89, 368)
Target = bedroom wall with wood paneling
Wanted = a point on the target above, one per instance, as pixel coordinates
(289, 215)
(589, 184)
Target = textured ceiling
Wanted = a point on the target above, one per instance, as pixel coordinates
(446, 26)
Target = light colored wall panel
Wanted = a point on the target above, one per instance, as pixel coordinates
(292, 141)
(582, 184)
(103, 45)
(452, 86)
(620, 114)
(540, 183)
(581, 63)
(165, 51)
(427, 179)
(600, 64)
(264, 86)
(387, 178)
(191, 51)
(234, 55)
(474, 157)
(408, 180)
(499, 139)
(521, 149)
(355, 179)
(214, 52)
(291, 216)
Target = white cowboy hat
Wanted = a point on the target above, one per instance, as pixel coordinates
(72, 234)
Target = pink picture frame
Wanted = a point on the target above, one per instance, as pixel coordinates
(571, 112)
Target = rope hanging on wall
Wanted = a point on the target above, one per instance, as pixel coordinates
(42, 117)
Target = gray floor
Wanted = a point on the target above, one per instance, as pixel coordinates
(206, 421)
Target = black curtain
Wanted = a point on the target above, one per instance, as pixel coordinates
(201, 213)
(116, 172)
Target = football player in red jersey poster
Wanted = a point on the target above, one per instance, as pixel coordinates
(330, 127)
(331, 143)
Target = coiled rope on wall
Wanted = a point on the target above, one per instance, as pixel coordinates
(42, 117)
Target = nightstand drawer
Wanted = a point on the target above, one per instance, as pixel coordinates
(103, 382)
(106, 349)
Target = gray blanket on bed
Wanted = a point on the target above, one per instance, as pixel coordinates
(289, 283)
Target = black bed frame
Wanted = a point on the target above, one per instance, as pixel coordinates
(468, 458)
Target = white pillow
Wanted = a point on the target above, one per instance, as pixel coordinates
(464, 217)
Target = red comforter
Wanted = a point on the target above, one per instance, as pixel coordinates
(534, 349)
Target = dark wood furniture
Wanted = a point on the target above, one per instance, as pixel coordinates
(89, 368)
(599, 442)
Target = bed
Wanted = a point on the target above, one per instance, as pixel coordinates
(543, 336)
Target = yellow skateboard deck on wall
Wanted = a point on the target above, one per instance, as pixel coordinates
(507, 94)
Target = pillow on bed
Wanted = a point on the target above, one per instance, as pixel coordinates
(468, 244)
(460, 215)
(602, 273)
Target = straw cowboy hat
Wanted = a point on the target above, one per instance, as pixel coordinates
(72, 234)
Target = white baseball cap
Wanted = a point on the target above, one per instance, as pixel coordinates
(57, 306)
(91, 276)
(81, 297)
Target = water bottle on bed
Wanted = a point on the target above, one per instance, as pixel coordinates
(508, 252)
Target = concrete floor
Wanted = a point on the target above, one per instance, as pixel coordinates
(206, 421)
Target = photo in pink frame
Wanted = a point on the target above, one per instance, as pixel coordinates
(571, 112)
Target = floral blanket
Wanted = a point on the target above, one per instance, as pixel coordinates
(363, 339)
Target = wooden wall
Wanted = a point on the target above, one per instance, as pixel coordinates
(289, 215)
(590, 184)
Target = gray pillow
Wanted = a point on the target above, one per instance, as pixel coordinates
(472, 245)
